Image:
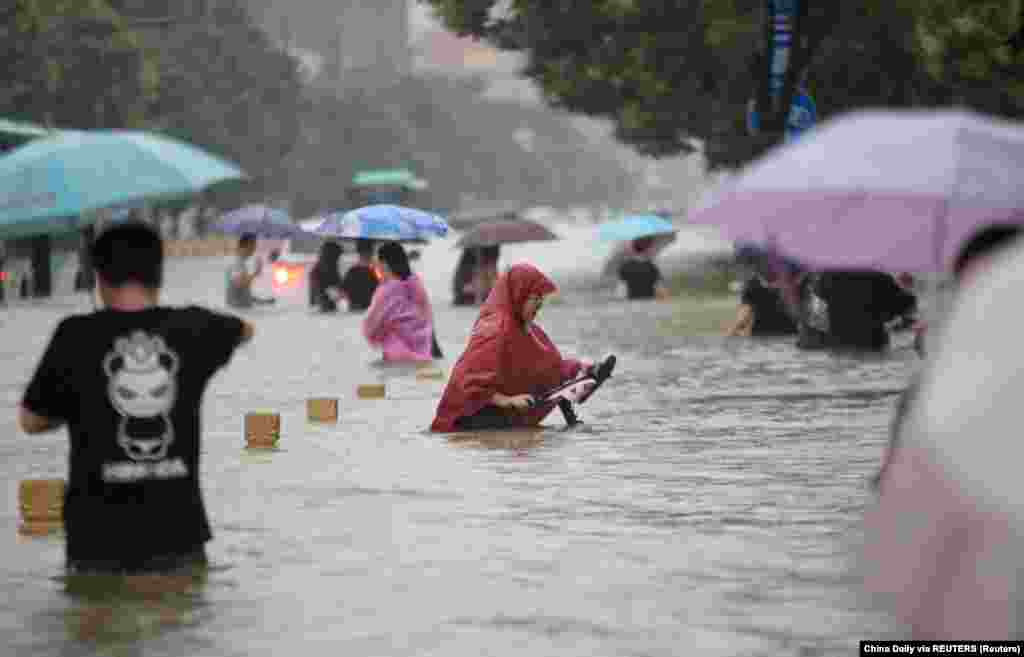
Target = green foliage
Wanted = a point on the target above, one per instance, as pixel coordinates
(215, 80)
(72, 63)
(224, 86)
(669, 73)
(967, 45)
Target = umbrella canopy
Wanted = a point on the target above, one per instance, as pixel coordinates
(50, 185)
(383, 222)
(474, 215)
(635, 227)
(18, 132)
(625, 250)
(260, 220)
(890, 190)
(507, 231)
(389, 177)
(310, 225)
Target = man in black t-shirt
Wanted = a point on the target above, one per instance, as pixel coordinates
(360, 281)
(128, 382)
(641, 276)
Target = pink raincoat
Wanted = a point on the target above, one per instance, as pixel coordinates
(400, 320)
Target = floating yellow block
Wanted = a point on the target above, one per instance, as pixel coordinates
(429, 373)
(370, 391)
(262, 430)
(41, 502)
(322, 409)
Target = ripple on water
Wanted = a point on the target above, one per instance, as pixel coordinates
(709, 504)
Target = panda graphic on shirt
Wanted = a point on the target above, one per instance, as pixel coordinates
(142, 387)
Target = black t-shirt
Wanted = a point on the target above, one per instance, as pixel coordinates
(860, 303)
(359, 284)
(129, 386)
(770, 314)
(641, 278)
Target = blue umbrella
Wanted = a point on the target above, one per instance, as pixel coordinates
(260, 220)
(635, 227)
(49, 185)
(383, 222)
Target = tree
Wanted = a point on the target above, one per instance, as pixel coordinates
(672, 75)
(974, 49)
(224, 86)
(73, 63)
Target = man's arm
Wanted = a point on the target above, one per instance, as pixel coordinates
(744, 321)
(248, 330)
(32, 423)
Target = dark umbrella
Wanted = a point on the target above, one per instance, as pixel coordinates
(479, 214)
(508, 231)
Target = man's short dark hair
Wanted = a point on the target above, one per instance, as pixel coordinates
(129, 252)
(365, 248)
(247, 239)
(985, 242)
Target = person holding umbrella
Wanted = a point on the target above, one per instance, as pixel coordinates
(325, 283)
(400, 320)
(645, 234)
(478, 268)
(242, 273)
(361, 279)
(763, 310)
(642, 277)
(486, 273)
(461, 281)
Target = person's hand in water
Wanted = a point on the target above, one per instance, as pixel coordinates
(517, 402)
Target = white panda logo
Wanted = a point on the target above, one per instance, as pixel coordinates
(142, 388)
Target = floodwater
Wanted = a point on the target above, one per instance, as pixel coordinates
(709, 505)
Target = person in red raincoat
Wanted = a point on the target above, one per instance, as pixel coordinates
(508, 359)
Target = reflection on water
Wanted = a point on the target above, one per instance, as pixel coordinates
(113, 609)
(710, 503)
(514, 439)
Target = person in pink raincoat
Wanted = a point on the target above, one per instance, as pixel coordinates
(400, 319)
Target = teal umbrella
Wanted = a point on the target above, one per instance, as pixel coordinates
(52, 184)
(18, 132)
(634, 227)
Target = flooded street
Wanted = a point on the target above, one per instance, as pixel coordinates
(709, 505)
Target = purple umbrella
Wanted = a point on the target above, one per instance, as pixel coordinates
(507, 231)
(260, 220)
(890, 190)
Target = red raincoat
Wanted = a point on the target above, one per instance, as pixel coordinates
(505, 356)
